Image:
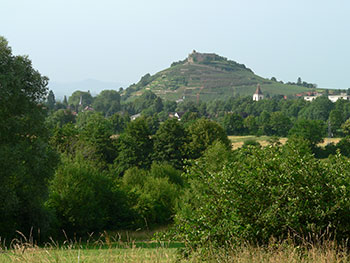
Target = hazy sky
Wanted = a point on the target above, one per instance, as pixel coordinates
(122, 40)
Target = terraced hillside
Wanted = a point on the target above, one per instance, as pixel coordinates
(208, 76)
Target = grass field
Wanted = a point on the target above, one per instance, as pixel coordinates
(238, 141)
(276, 253)
(39, 255)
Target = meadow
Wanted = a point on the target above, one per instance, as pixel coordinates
(238, 141)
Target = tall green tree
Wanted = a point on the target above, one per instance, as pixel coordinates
(336, 119)
(280, 124)
(26, 160)
(311, 130)
(318, 109)
(60, 118)
(169, 143)
(65, 101)
(204, 133)
(251, 124)
(97, 133)
(51, 101)
(119, 122)
(107, 102)
(80, 99)
(233, 124)
(134, 147)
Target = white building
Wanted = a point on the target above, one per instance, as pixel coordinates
(332, 98)
(258, 95)
(312, 97)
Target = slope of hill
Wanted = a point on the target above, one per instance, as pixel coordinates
(207, 77)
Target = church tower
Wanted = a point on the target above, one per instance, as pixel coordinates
(258, 95)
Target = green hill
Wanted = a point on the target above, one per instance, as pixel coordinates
(208, 76)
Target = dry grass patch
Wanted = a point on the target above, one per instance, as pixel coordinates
(238, 141)
(278, 253)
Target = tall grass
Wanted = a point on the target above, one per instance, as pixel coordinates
(277, 253)
(111, 249)
(107, 248)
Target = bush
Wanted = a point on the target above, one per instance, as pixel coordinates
(83, 198)
(250, 142)
(151, 194)
(262, 193)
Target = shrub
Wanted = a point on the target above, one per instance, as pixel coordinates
(83, 199)
(250, 142)
(261, 193)
(151, 194)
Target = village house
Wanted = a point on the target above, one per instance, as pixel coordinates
(332, 98)
(312, 97)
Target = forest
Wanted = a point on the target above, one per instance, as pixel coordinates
(88, 164)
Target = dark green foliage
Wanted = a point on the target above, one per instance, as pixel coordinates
(310, 130)
(187, 106)
(262, 193)
(335, 121)
(60, 118)
(84, 199)
(97, 133)
(165, 170)
(152, 123)
(51, 100)
(344, 146)
(83, 118)
(146, 100)
(169, 143)
(134, 147)
(319, 109)
(250, 142)
(65, 101)
(80, 99)
(346, 127)
(189, 118)
(204, 133)
(280, 124)
(233, 124)
(251, 125)
(158, 105)
(152, 195)
(107, 102)
(264, 121)
(92, 139)
(65, 138)
(119, 122)
(169, 106)
(26, 160)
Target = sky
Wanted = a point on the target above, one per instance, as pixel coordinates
(122, 40)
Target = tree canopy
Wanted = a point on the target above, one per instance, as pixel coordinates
(26, 160)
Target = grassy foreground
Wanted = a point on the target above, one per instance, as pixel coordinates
(47, 255)
(278, 253)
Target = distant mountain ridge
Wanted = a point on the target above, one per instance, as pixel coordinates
(208, 76)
